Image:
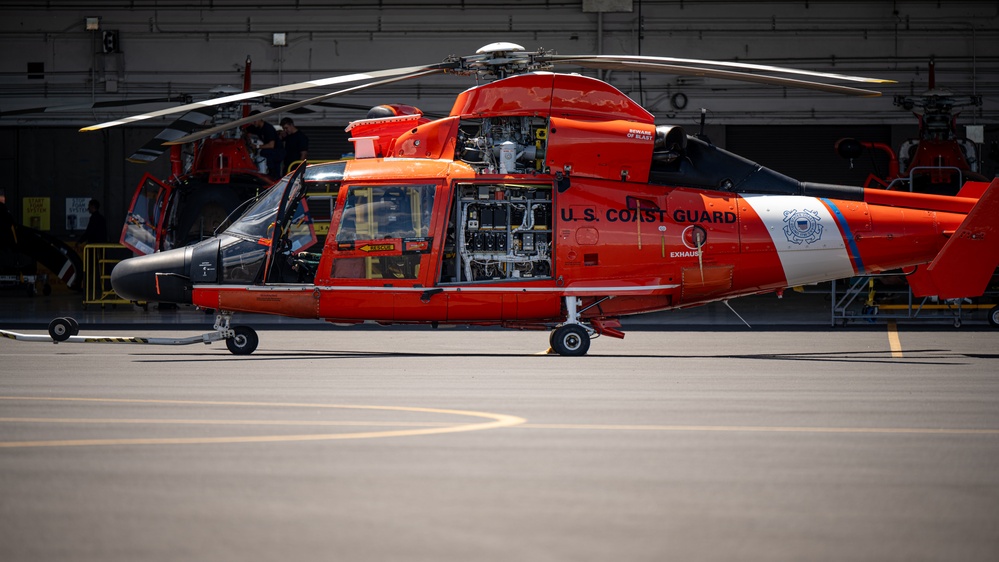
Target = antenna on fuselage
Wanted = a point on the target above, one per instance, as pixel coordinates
(701, 135)
(737, 315)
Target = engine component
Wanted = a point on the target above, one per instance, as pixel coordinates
(505, 235)
(508, 145)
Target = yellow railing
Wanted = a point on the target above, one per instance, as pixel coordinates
(98, 261)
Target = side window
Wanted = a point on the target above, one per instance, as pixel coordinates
(242, 260)
(383, 212)
(384, 231)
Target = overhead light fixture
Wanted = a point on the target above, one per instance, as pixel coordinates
(93, 24)
(280, 40)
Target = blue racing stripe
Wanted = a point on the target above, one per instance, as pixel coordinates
(847, 235)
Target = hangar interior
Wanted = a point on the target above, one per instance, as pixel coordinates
(66, 66)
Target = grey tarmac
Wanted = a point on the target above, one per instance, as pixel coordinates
(465, 444)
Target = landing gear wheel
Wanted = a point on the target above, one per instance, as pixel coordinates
(994, 316)
(74, 325)
(244, 342)
(570, 339)
(60, 329)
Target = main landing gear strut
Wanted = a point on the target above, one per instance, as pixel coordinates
(572, 338)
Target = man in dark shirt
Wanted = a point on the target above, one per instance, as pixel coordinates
(296, 144)
(97, 227)
(271, 148)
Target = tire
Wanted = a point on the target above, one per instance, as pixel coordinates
(60, 329)
(74, 326)
(994, 316)
(571, 340)
(244, 342)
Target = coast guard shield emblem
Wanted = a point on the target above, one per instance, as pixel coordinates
(802, 226)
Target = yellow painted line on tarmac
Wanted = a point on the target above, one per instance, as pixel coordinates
(414, 428)
(599, 427)
(497, 421)
(893, 341)
(763, 429)
(167, 421)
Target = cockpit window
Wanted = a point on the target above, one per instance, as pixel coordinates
(258, 220)
(380, 212)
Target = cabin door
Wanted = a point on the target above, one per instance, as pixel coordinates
(383, 243)
(143, 230)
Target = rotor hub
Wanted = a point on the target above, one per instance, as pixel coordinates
(499, 60)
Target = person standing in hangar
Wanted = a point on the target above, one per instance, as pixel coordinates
(97, 226)
(296, 144)
(271, 147)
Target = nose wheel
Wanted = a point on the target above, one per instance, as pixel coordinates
(243, 341)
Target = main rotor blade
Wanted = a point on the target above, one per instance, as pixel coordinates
(275, 90)
(285, 108)
(182, 126)
(92, 105)
(724, 74)
(728, 64)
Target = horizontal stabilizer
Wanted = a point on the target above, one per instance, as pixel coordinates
(967, 261)
(973, 189)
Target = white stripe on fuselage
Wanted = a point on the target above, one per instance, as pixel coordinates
(806, 236)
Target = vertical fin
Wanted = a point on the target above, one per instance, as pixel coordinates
(965, 264)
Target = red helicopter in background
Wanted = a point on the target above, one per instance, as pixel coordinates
(552, 201)
(208, 180)
(938, 161)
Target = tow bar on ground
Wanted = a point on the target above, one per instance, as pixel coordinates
(241, 340)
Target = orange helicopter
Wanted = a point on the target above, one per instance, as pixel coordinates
(552, 201)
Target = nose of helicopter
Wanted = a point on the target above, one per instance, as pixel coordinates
(159, 277)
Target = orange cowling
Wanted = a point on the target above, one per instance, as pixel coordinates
(616, 150)
(558, 95)
(430, 140)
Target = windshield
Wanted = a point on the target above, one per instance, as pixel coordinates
(258, 222)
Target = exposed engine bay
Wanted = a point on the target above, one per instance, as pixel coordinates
(505, 145)
(499, 232)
